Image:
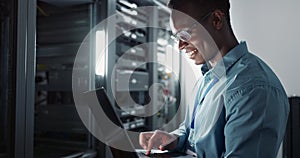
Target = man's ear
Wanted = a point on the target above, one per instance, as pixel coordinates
(218, 20)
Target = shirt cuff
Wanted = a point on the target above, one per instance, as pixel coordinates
(181, 144)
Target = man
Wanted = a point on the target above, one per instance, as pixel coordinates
(242, 116)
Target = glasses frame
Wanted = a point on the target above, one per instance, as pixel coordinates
(179, 35)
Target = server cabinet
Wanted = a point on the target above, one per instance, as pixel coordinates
(17, 77)
(292, 138)
(137, 63)
(7, 78)
(61, 28)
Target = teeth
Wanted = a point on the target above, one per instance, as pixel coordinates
(193, 51)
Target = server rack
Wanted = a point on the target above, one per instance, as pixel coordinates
(61, 27)
(292, 139)
(17, 77)
(141, 78)
(8, 22)
(57, 129)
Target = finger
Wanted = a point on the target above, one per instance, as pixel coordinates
(162, 147)
(143, 139)
(170, 144)
(165, 146)
(152, 142)
(149, 146)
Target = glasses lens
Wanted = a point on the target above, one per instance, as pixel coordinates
(184, 36)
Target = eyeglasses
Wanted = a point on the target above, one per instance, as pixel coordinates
(185, 34)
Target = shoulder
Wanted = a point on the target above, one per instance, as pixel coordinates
(250, 71)
(251, 77)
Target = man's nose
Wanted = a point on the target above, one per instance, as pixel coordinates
(182, 45)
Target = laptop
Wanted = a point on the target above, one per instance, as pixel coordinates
(112, 115)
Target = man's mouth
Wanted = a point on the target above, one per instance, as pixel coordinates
(192, 53)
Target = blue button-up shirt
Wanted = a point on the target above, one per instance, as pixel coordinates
(243, 115)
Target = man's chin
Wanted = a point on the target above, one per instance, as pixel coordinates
(199, 62)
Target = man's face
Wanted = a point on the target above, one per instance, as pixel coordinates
(200, 47)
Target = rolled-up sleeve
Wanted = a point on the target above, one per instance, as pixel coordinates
(256, 118)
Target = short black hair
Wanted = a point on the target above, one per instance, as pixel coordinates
(204, 5)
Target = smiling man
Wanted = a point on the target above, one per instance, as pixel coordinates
(241, 108)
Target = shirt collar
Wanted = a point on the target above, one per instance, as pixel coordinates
(227, 61)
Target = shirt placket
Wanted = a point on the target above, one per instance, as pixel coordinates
(206, 81)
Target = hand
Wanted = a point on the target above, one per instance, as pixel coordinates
(157, 139)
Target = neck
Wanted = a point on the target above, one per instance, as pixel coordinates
(226, 43)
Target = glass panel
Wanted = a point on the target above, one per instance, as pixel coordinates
(58, 129)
